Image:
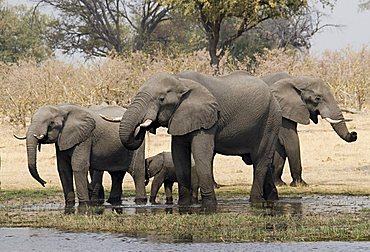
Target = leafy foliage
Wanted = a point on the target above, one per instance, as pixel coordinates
(22, 34)
(245, 15)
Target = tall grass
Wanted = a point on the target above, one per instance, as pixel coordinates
(28, 85)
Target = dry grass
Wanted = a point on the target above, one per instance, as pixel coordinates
(329, 163)
(327, 160)
(28, 85)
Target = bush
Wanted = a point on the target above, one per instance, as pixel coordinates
(28, 85)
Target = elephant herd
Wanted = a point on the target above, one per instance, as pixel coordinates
(252, 117)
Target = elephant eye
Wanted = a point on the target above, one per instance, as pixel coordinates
(318, 99)
(161, 98)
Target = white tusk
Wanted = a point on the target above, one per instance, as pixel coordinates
(111, 119)
(137, 130)
(39, 137)
(146, 123)
(19, 138)
(332, 121)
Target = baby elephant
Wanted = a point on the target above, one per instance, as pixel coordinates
(161, 167)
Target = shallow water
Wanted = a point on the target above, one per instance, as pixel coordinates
(286, 205)
(30, 239)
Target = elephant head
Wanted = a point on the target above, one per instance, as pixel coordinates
(166, 100)
(64, 125)
(305, 98)
(153, 165)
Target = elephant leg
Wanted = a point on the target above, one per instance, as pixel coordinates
(138, 174)
(203, 153)
(96, 188)
(156, 184)
(116, 188)
(168, 190)
(293, 153)
(181, 156)
(263, 186)
(80, 161)
(66, 178)
(278, 164)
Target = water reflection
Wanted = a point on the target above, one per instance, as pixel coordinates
(298, 206)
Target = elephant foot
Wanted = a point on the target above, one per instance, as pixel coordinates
(209, 205)
(69, 207)
(298, 183)
(152, 200)
(115, 201)
(279, 182)
(169, 201)
(141, 200)
(96, 201)
(83, 207)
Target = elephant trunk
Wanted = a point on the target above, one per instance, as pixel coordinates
(31, 143)
(130, 132)
(342, 131)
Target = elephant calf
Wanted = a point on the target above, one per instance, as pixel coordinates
(161, 167)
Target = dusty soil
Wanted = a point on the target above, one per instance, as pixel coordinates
(327, 160)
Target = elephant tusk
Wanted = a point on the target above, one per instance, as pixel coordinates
(137, 130)
(111, 119)
(20, 138)
(145, 124)
(332, 121)
(40, 137)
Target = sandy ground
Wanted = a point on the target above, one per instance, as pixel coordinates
(326, 159)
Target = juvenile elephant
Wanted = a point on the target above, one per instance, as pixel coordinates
(205, 115)
(83, 140)
(301, 99)
(161, 167)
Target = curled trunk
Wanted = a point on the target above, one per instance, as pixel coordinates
(131, 119)
(342, 131)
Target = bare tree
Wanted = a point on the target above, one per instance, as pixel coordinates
(100, 27)
(296, 30)
(144, 17)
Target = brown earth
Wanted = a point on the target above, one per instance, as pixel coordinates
(327, 160)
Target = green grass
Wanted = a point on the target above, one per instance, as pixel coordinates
(221, 227)
(229, 227)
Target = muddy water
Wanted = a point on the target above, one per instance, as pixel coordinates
(286, 205)
(28, 239)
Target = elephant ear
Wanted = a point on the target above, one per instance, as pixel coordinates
(78, 127)
(198, 109)
(155, 164)
(288, 93)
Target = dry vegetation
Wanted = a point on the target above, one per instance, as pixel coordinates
(27, 85)
(330, 165)
(330, 162)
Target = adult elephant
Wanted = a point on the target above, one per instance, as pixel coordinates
(205, 116)
(83, 141)
(301, 99)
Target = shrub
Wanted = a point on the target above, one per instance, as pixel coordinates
(28, 85)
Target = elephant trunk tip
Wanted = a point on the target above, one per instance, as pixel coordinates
(37, 177)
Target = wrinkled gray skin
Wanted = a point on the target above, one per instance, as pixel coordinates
(207, 115)
(301, 99)
(161, 167)
(83, 141)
